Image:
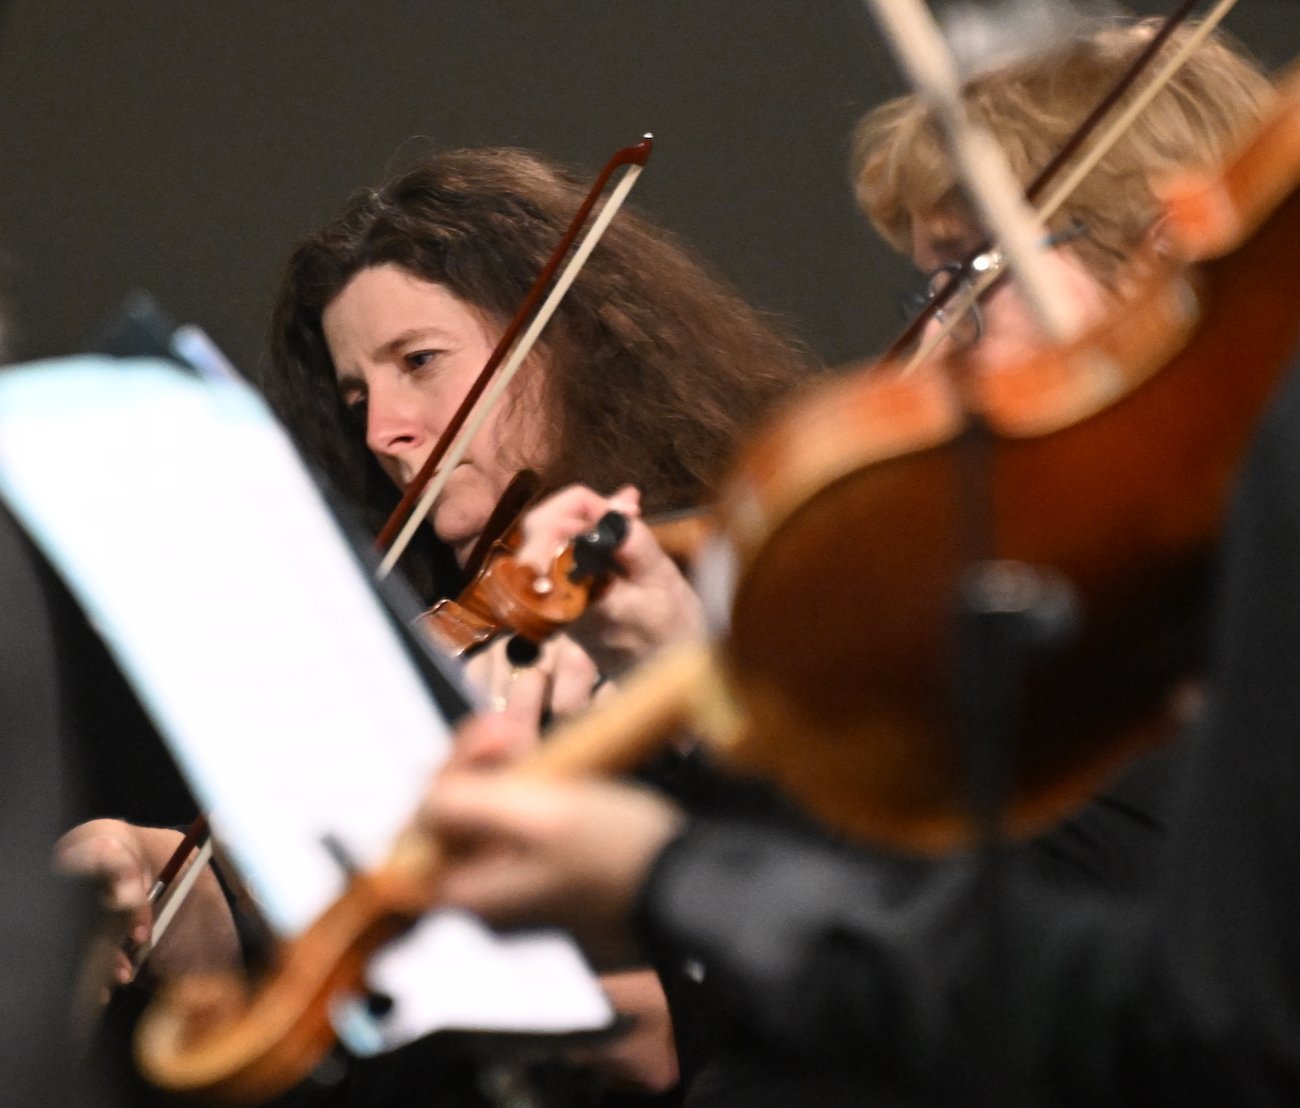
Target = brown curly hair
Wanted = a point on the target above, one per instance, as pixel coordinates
(655, 369)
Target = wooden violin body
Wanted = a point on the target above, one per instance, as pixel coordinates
(1108, 462)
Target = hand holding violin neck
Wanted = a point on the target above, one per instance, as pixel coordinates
(591, 563)
(508, 595)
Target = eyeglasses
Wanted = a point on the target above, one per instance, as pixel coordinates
(960, 303)
(968, 327)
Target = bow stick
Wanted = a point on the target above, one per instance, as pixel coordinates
(166, 898)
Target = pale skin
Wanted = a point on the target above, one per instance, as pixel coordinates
(126, 859)
(405, 352)
(647, 607)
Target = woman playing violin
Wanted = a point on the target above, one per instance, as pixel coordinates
(648, 376)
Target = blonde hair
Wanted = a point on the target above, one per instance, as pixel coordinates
(901, 168)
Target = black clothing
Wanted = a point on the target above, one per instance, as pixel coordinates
(43, 917)
(1187, 995)
(112, 758)
(752, 862)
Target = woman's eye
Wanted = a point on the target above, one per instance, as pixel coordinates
(418, 359)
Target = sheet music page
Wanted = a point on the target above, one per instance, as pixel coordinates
(185, 524)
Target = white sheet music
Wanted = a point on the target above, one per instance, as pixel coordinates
(185, 524)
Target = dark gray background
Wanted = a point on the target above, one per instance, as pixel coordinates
(183, 146)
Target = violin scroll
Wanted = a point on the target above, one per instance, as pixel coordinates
(214, 1033)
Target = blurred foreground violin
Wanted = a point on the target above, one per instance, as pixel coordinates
(1109, 462)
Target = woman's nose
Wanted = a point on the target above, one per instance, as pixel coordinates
(394, 423)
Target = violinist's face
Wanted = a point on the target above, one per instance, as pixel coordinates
(406, 352)
(1009, 329)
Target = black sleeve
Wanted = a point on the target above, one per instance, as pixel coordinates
(821, 953)
(757, 858)
(1228, 929)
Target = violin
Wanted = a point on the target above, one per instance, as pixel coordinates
(1110, 461)
(513, 347)
(504, 597)
(507, 596)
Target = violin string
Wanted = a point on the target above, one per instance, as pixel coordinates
(974, 289)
